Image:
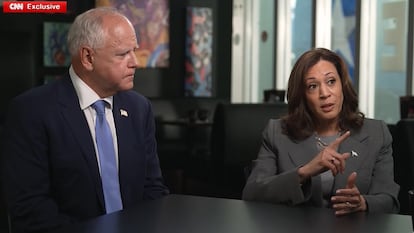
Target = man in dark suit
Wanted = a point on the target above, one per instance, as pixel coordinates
(51, 171)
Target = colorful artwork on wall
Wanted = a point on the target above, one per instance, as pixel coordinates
(151, 22)
(55, 50)
(198, 56)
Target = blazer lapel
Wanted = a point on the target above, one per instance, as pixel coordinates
(302, 152)
(75, 118)
(359, 152)
(126, 138)
(123, 126)
(354, 145)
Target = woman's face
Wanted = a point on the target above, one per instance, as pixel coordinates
(323, 89)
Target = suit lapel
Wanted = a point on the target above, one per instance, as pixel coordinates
(125, 137)
(130, 122)
(359, 152)
(75, 118)
(122, 123)
(302, 152)
(354, 145)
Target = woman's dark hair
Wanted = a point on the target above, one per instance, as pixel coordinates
(298, 124)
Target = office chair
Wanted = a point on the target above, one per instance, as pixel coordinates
(235, 141)
(403, 154)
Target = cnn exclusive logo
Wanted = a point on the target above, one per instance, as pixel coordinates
(34, 7)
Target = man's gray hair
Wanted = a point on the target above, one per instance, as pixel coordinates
(87, 29)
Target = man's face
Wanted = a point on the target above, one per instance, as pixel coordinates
(115, 62)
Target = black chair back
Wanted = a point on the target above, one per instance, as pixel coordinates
(403, 154)
(236, 140)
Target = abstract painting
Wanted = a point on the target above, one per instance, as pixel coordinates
(55, 50)
(151, 22)
(198, 55)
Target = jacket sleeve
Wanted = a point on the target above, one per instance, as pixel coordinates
(25, 173)
(154, 185)
(383, 193)
(266, 182)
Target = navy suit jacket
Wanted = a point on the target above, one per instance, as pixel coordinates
(50, 171)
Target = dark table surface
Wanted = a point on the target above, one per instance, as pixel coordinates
(195, 214)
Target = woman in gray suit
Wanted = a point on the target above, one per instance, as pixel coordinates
(324, 152)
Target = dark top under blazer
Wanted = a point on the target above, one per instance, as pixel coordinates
(274, 177)
(51, 175)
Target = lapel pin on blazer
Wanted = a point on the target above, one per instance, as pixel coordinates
(354, 154)
(123, 113)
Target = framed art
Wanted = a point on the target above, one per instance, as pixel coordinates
(199, 51)
(55, 50)
(151, 22)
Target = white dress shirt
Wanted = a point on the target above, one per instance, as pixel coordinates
(87, 97)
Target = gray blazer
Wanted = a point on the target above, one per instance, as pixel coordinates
(274, 176)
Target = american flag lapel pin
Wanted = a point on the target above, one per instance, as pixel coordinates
(123, 113)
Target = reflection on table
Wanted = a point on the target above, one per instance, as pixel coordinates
(196, 214)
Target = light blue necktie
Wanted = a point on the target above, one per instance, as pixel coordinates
(107, 161)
